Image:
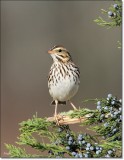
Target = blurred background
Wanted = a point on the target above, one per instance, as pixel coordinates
(28, 30)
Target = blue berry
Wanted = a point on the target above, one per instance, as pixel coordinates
(80, 142)
(120, 100)
(77, 155)
(83, 142)
(106, 124)
(69, 142)
(67, 148)
(88, 144)
(80, 137)
(120, 109)
(86, 155)
(70, 138)
(98, 107)
(91, 148)
(87, 148)
(98, 103)
(97, 148)
(110, 95)
(73, 153)
(107, 156)
(80, 155)
(102, 116)
(107, 99)
(116, 112)
(106, 107)
(116, 6)
(98, 151)
(110, 134)
(100, 148)
(113, 102)
(110, 152)
(111, 108)
(114, 130)
(67, 135)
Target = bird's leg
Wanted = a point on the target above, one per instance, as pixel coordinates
(56, 104)
(55, 115)
(73, 105)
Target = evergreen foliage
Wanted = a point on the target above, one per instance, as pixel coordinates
(114, 14)
(53, 141)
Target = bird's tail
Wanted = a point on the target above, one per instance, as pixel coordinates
(59, 102)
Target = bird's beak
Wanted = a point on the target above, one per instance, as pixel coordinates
(50, 52)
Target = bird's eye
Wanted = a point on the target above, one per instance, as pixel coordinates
(60, 50)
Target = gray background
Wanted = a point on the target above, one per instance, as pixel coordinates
(28, 30)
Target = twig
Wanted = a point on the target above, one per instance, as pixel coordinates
(65, 119)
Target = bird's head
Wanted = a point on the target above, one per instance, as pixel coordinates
(59, 53)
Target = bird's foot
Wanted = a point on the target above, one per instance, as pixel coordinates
(58, 118)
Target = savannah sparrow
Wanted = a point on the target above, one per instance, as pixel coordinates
(63, 80)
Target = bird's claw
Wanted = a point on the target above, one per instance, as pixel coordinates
(58, 118)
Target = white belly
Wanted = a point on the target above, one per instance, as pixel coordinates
(64, 90)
